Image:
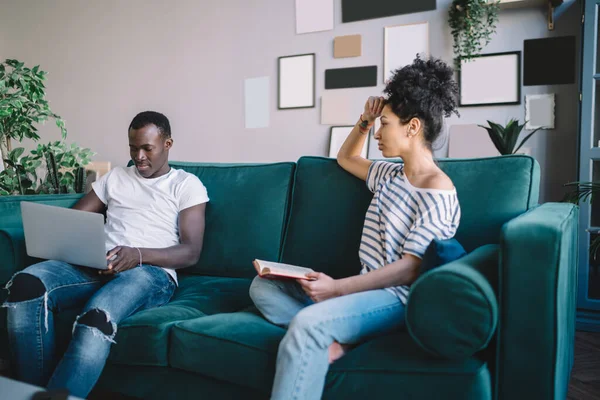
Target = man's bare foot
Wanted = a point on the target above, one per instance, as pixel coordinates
(337, 351)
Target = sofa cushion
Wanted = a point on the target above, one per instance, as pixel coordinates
(142, 339)
(393, 366)
(329, 205)
(452, 311)
(491, 192)
(241, 348)
(440, 252)
(327, 215)
(158, 383)
(245, 217)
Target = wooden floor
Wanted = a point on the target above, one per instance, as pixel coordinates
(585, 377)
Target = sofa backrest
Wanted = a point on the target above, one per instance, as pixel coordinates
(245, 217)
(329, 205)
(10, 206)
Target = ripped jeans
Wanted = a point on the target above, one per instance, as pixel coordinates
(43, 289)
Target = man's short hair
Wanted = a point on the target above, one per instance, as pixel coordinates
(157, 119)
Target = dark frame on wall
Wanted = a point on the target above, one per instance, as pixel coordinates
(312, 83)
(492, 77)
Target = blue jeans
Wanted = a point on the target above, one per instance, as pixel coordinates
(106, 301)
(303, 356)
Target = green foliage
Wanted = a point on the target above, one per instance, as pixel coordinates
(22, 105)
(22, 101)
(505, 137)
(64, 170)
(472, 23)
(582, 192)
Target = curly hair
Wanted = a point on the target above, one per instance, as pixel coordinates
(425, 89)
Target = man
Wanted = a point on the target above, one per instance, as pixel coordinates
(154, 225)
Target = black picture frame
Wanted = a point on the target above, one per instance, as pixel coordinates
(313, 84)
(461, 79)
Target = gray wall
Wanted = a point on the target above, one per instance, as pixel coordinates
(108, 60)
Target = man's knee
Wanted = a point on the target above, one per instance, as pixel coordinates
(97, 319)
(25, 287)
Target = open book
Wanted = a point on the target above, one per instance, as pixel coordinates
(268, 269)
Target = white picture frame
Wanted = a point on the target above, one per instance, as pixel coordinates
(338, 137)
(296, 81)
(402, 43)
(540, 111)
(490, 79)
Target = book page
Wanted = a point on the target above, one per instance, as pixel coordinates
(279, 269)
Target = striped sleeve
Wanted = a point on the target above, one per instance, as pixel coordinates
(378, 171)
(434, 224)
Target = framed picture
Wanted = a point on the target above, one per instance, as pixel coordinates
(539, 111)
(399, 50)
(296, 81)
(490, 79)
(338, 137)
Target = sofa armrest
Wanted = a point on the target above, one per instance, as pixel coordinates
(452, 310)
(13, 256)
(538, 289)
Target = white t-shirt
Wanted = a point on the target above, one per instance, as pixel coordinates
(144, 212)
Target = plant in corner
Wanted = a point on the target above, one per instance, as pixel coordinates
(472, 23)
(582, 192)
(505, 137)
(22, 105)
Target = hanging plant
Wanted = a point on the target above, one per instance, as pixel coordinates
(472, 23)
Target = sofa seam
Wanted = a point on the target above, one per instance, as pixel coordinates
(287, 215)
(564, 222)
(222, 339)
(419, 371)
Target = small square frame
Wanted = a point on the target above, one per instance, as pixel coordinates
(550, 98)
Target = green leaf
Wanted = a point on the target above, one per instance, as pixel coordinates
(526, 138)
(16, 153)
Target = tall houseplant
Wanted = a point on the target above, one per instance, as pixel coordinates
(22, 106)
(472, 24)
(505, 137)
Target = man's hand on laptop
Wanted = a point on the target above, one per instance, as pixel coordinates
(123, 258)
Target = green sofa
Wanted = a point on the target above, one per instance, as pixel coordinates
(498, 323)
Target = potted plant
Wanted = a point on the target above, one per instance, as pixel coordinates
(505, 137)
(472, 23)
(22, 106)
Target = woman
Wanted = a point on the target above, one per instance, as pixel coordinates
(413, 203)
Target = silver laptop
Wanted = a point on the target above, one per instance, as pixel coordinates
(64, 234)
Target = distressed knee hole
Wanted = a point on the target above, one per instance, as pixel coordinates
(97, 319)
(25, 287)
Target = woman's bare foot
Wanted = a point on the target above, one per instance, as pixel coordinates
(337, 351)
